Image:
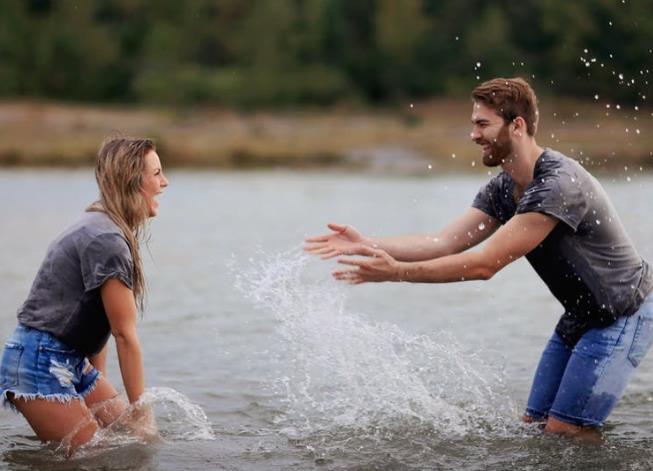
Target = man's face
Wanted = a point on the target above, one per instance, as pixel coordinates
(492, 133)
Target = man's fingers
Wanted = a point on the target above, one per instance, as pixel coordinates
(345, 274)
(331, 254)
(351, 277)
(337, 227)
(320, 238)
(357, 262)
(322, 250)
(313, 246)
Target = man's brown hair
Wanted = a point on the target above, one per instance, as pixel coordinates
(509, 98)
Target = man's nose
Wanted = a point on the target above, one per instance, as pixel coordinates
(474, 135)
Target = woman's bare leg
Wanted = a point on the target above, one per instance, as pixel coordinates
(53, 421)
(104, 402)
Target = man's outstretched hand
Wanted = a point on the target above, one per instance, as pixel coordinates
(343, 240)
(377, 266)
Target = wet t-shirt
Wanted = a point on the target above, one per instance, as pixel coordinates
(587, 261)
(65, 297)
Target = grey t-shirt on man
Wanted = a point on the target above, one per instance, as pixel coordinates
(587, 261)
(65, 297)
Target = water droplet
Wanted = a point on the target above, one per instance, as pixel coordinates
(596, 97)
(481, 226)
(598, 222)
(430, 166)
(478, 64)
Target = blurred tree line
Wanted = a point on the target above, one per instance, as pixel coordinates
(250, 53)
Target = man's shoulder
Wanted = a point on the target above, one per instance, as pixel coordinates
(556, 162)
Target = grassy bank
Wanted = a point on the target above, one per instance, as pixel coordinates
(406, 138)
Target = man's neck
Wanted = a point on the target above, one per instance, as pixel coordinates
(521, 163)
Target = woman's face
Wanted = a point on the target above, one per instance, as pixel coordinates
(153, 182)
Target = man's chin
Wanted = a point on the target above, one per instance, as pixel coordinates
(490, 161)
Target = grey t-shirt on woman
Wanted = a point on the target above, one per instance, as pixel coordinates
(587, 261)
(65, 297)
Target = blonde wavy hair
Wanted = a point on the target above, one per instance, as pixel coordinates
(119, 174)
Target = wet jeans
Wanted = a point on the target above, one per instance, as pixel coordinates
(581, 385)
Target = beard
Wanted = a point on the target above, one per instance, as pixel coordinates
(497, 151)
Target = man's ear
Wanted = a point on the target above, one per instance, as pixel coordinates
(519, 126)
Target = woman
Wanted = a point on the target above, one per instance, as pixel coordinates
(88, 286)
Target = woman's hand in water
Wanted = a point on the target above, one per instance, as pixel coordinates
(343, 240)
(377, 266)
(140, 420)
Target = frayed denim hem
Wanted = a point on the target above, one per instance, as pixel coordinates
(92, 386)
(61, 398)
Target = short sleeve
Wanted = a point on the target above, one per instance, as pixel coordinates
(559, 195)
(495, 198)
(107, 256)
(483, 200)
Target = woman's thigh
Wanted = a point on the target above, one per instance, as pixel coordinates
(70, 423)
(104, 402)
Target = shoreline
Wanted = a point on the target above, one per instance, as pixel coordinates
(432, 135)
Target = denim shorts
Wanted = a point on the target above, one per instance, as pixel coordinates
(37, 365)
(581, 385)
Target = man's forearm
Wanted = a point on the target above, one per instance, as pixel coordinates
(459, 267)
(412, 248)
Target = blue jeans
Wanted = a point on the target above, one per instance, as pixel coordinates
(37, 365)
(581, 385)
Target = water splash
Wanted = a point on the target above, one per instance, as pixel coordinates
(339, 370)
(176, 418)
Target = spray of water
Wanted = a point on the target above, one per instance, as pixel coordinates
(339, 370)
(165, 414)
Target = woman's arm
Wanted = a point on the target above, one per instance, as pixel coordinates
(99, 360)
(120, 307)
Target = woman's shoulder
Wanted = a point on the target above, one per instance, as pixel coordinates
(95, 228)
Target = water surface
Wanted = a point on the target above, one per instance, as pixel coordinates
(296, 372)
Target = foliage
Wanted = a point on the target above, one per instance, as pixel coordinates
(252, 53)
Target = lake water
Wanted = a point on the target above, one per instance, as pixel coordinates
(293, 371)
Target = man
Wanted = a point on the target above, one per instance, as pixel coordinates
(548, 208)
